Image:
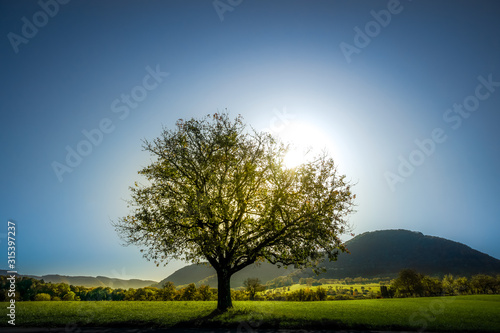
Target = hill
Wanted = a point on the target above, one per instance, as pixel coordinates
(372, 254)
(204, 274)
(90, 281)
(386, 252)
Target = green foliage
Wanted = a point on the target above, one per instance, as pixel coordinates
(205, 293)
(212, 178)
(484, 284)
(252, 287)
(279, 282)
(319, 294)
(426, 286)
(42, 297)
(410, 283)
(385, 293)
(168, 292)
(219, 192)
(57, 292)
(189, 293)
(69, 296)
(431, 286)
(118, 294)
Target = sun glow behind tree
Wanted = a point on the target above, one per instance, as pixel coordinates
(305, 141)
(221, 194)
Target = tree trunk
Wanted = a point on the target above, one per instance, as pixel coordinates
(224, 290)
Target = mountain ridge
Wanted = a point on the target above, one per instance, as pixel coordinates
(90, 281)
(373, 254)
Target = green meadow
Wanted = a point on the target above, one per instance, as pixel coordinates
(452, 314)
(375, 287)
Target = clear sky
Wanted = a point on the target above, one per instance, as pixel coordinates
(404, 95)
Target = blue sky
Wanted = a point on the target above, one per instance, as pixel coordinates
(365, 79)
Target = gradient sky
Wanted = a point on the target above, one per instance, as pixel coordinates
(300, 69)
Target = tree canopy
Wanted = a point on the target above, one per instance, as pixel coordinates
(219, 191)
(253, 286)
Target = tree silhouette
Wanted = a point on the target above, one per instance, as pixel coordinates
(220, 192)
(253, 286)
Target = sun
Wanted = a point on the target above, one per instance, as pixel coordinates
(306, 141)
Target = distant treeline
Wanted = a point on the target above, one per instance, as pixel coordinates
(346, 281)
(408, 284)
(285, 281)
(29, 289)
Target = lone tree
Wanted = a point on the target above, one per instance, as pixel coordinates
(253, 286)
(220, 192)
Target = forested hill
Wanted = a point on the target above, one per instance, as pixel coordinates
(386, 252)
(204, 274)
(372, 254)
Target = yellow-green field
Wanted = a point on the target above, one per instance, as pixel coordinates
(371, 290)
(451, 314)
(375, 287)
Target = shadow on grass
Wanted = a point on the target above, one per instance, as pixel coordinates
(216, 319)
(242, 319)
(234, 318)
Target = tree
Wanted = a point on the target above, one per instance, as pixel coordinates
(189, 293)
(462, 286)
(118, 294)
(482, 284)
(408, 283)
(253, 286)
(204, 292)
(42, 297)
(385, 292)
(220, 192)
(448, 284)
(321, 294)
(69, 296)
(431, 286)
(129, 294)
(168, 291)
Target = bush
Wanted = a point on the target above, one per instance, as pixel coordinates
(69, 296)
(42, 297)
(321, 294)
(342, 297)
(189, 293)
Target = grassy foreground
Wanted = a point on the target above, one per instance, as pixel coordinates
(460, 313)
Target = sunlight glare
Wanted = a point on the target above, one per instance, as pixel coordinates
(306, 141)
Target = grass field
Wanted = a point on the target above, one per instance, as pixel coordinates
(453, 314)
